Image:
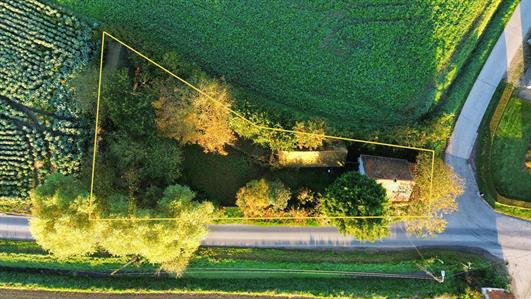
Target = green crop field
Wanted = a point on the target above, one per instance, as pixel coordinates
(361, 65)
(42, 47)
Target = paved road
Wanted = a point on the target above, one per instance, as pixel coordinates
(508, 46)
(474, 225)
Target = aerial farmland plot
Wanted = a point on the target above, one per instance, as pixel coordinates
(40, 130)
(131, 130)
(360, 65)
(184, 118)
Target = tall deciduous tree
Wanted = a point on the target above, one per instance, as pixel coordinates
(447, 186)
(259, 195)
(61, 225)
(192, 117)
(170, 243)
(353, 194)
(60, 221)
(125, 109)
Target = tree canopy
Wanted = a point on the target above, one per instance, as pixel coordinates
(447, 186)
(353, 194)
(257, 196)
(191, 117)
(61, 225)
(311, 141)
(60, 221)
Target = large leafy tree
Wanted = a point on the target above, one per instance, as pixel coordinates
(259, 196)
(152, 162)
(192, 117)
(433, 203)
(125, 109)
(170, 243)
(60, 221)
(61, 225)
(353, 194)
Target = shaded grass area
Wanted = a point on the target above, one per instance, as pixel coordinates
(484, 141)
(218, 178)
(509, 148)
(28, 254)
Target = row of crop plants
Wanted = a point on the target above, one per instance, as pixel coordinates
(40, 132)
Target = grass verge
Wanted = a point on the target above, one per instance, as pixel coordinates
(458, 281)
(509, 147)
(15, 206)
(485, 153)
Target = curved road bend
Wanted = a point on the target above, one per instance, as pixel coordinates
(474, 225)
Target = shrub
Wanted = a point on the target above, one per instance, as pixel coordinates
(314, 127)
(257, 196)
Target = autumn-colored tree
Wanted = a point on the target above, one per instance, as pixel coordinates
(60, 221)
(447, 186)
(310, 134)
(353, 194)
(259, 196)
(192, 117)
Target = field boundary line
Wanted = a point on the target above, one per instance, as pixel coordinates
(239, 115)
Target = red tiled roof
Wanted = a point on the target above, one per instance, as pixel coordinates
(377, 167)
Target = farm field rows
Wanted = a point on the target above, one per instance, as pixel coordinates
(40, 131)
(361, 66)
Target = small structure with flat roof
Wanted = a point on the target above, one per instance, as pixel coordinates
(395, 175)
(332, 155)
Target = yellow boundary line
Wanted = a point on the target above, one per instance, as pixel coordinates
(239, 115)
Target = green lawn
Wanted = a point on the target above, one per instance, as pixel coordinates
(511, 177)
(218, 178)
(360, 65)
(524, 213)
(28, 254)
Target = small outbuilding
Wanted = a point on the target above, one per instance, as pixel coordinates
(395, 175)
(332, 155)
